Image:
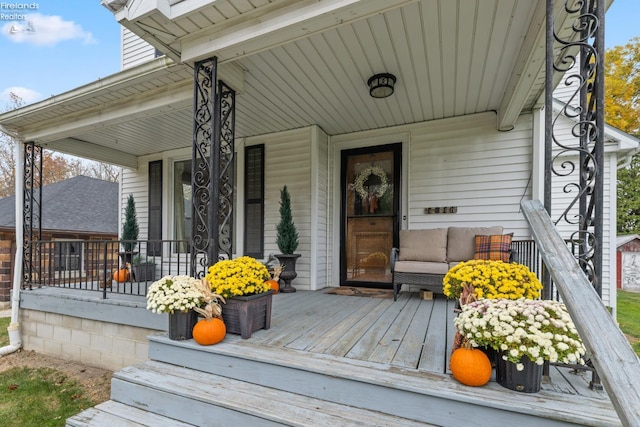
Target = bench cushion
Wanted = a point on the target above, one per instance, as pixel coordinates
(421, 267)
(461, 241)
(424, 245)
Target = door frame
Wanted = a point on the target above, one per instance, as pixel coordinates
(361, 140)
(396, 149)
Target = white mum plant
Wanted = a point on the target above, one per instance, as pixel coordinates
(173, 294)
(538, 329)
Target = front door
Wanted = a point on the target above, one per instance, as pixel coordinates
(370, 206)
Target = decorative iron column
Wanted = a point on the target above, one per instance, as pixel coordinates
(32, 213)
(211, 168)
(584, 155)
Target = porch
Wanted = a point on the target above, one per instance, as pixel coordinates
(333, 359)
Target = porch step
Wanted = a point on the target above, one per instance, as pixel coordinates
(114, 414)
(418, 396)
(204, 399)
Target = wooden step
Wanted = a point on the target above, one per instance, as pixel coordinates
(206, 399)
(416, 395)
(114, 414)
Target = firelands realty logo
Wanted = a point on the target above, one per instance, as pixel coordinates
(18, 12)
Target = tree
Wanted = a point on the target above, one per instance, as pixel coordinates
(287, 238)
(622, 110)
(55, 167)
(130, 228)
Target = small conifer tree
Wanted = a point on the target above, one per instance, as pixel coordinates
(130, 226)
(287, 238)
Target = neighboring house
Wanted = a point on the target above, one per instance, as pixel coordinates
(75, 211)
(628, 262)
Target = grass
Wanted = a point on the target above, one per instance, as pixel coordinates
(629, 317)
(4, 335)
(40, 397)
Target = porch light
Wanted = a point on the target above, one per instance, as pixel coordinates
(381, 85)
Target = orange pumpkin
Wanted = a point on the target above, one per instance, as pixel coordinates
(470, 366)
(209, 331)
(273, 284)
(121, 275)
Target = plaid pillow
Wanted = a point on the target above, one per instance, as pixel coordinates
(495, 248)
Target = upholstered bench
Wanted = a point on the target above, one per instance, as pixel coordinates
(425, 256)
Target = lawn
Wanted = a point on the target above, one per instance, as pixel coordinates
(4, 335)
(629, 317)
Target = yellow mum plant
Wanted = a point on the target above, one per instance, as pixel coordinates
(237, 277)
(492, 279)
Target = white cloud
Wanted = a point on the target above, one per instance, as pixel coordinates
(26, 95)
(45, 30)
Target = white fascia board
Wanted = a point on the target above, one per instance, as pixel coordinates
(294, 21)
(92, 151)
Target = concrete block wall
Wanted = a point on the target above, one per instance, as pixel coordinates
(93, 342)
(81, 326)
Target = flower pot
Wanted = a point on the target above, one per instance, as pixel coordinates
(144, 272)
(526, 381)
(181, 325)
(289, 272)
(246, 314)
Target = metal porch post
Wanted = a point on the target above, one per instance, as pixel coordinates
(212, 171)
(31, 213)
(584, 46)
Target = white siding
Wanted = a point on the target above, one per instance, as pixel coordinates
(135, 182)
(288, 162)
(320, 210)
(135, 51)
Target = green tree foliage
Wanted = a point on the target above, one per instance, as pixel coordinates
(130, 228)
(287, 238)
(622, 110)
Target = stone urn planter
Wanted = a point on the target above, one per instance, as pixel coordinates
(289, 271)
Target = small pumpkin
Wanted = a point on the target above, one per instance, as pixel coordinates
(470, 366)
(209, 331)
(274, 283)
(121, 275)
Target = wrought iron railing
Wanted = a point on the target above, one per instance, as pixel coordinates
(103, 266)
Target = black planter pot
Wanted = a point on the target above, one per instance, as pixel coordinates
(289, 271)
(526, 381)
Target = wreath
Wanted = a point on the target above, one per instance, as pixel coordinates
(364, 175)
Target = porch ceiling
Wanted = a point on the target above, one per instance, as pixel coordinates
(451, 58)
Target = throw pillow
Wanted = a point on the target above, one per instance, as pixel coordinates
(495, 247)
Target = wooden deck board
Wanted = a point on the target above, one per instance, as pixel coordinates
(387, 347)
(410, 348)
(433, 356)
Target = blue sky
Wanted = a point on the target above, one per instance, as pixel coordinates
(75, 42)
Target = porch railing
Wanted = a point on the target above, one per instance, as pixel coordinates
(104, 266)
(609, 350)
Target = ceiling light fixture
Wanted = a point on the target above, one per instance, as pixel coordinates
(381, 85)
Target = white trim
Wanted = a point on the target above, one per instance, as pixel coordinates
(313, 266)
(613, 227)
(240, 172)
(537, 168)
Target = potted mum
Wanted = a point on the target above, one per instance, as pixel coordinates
(526, 333)
(177, 296)
(491, 279)
(242, 283)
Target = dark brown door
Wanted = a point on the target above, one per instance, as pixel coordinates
(370, 208)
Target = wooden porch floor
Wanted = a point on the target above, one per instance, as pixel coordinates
(410, 333)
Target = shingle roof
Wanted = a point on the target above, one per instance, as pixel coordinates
(624, 239)
(81, 204)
